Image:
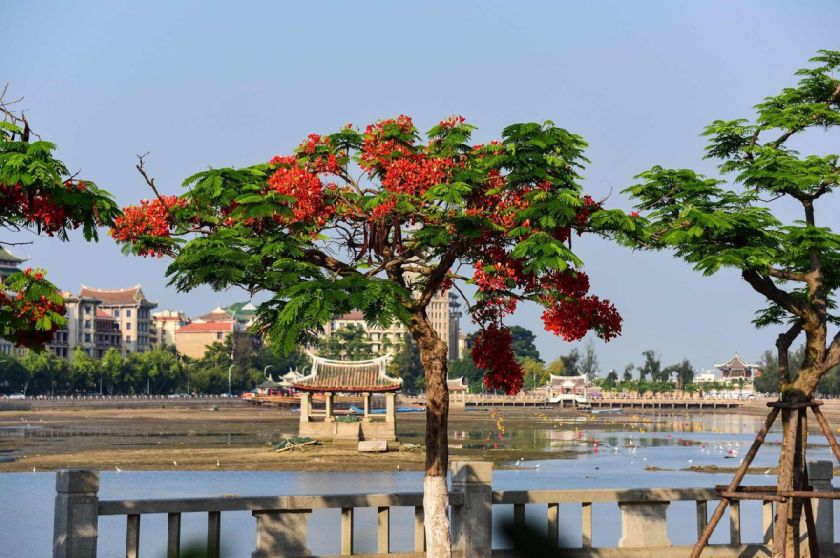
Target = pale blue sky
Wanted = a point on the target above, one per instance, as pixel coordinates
(211, 83)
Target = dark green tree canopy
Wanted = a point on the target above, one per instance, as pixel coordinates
(794, 264)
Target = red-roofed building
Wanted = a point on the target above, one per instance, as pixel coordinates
(193, 339)
(131, 310)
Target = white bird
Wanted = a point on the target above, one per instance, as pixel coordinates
(175, 463)
(34, 470)
(767, 472)
(518, 462)
(398, 467)
(117, 469)
(218, 463)
(690, 461)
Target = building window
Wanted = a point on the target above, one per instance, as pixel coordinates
(87, 324)
(116, 312)
(87, 337)
(128, 325)
(128, 338)
(218, 335)
(128, 313)
(87, 309)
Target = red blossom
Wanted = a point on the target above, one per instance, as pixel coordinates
(150, 219)
(492, 352)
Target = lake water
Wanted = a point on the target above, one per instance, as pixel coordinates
(616, 454)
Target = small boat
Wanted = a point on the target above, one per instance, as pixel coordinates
(609, 411)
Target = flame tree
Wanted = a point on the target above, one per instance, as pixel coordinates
(38, 194)
(793, 263)
(380, 221)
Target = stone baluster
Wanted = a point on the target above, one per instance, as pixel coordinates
(282, 533)
(819, 475)
(75, 528)
(643, 524)
(472, 521)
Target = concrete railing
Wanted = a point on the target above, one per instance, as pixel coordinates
(282, 521)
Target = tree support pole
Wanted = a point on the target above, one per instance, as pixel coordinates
(739, 475)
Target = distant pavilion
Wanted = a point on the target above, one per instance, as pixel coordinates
(364, 377)
(735, 367)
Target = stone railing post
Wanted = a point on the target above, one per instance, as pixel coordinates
(76, 513)
(282, 533)
(643, 524)
(472, 522)
(819, 474)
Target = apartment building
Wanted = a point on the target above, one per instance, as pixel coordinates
(389, 339)
(193, 339)
(164, 326)
(131, 310)
(9, 264)
(87, 326)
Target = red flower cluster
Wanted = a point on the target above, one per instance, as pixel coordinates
(150, 219)
(23, 311)
(492, 352)
(572, 318)
(451, 122)
(307, 191)
(39, 208)
(414, 175)
(380, 144)
(318, 150)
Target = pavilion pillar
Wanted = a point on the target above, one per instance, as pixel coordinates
(390, 407)
(305, 406)
(366, 399)
(328, 400)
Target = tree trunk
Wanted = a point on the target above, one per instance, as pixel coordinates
(792, 463)
(433, 355)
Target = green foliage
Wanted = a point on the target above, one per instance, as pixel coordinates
(652, 368)
(347, 343)
(406, 364)
(795, 265)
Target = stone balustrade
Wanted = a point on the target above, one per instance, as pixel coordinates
(282, 521)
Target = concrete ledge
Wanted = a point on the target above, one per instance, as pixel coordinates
(715, 551)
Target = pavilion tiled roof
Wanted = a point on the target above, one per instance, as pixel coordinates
(560, 380)
(352, 316)
(350, 376)
(456, 384)
(114, 297)
(735, 363)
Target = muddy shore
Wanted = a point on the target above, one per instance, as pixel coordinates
(243, 437)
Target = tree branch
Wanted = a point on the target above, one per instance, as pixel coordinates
(787, 275)
(765, 286)
(140, 166)
(832, 354)
(783, 343)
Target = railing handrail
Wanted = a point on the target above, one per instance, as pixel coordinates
(604, 495)
(262, 503)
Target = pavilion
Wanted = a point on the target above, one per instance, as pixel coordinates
(365, 377)
(735, 367)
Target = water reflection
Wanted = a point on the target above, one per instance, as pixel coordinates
(623, 451)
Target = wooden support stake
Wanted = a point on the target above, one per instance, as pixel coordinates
(736, 480)
(702, 516)
(826, 430)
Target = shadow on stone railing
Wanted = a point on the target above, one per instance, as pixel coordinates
(282, 522)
